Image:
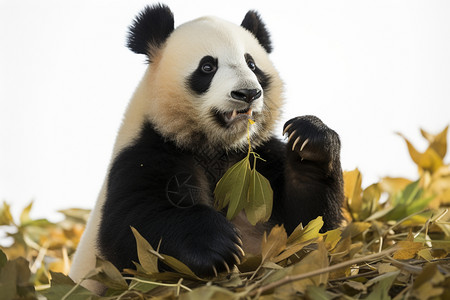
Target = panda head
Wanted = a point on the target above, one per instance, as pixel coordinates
(206, 78)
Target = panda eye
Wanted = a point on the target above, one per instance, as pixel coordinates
(208, 68)
(251, 64)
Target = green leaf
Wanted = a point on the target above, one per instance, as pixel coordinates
(260, 198)
(232, 188)
(209, 293)
(317, 293)
(407, 202)
(15, 280)
(147, 260)
(382, 286)
(62, 287)
(3, 259)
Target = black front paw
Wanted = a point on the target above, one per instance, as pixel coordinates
(310, 139)
(209, 246)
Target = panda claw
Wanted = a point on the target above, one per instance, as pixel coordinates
(295, 143)
(286, 128)
(227, 267)
(236, 258)
(240, 250)
(240, 241)
(304, 144)
(215, 271)
(291, 135)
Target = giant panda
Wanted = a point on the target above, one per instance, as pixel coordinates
(185, 125)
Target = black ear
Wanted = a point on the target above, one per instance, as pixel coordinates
(150, 29)
(253, 23)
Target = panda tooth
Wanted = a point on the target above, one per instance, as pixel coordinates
(233, 115)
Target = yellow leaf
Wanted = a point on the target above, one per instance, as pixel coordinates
(407, 249)
(311, 231)
(273, 244)
(353, 192)
(425, 254)
(25, 214)
(355, 228)
(437, 142)
(5, 215)
(317, 259)
(393, 185)
(260, 198)
(332, 237)
(429, 160)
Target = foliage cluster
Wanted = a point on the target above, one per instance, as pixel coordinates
(395, 244)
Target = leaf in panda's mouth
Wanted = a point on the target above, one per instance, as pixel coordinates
(244, 188)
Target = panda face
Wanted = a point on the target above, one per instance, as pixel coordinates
(206, 81)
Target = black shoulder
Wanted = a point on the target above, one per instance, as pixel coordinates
(150, 29)
(253, 23)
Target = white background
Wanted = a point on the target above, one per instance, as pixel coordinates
(366, 68)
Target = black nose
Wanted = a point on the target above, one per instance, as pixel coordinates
(247, 95)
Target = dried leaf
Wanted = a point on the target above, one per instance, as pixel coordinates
(393, 185)
(25, 215)
(426, 285)
(5, 215)
(147, 260)
(385, 268)
(311, 231)
(260, 198)
(332, 237)
(429, 160)
(178, 266)
(272, 245)
(317, 259)
(108, 274)
(407, 249)
(353, 192)
(437, 142)
(355, 228)
(425, 254)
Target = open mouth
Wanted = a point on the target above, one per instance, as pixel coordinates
(230, 117)
(237, 114)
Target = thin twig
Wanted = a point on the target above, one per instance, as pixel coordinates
(289, 279)
(159, 283)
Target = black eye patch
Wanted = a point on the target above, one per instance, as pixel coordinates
(263, 78)
(200, 80)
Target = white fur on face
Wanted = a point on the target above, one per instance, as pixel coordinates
(187, 118)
